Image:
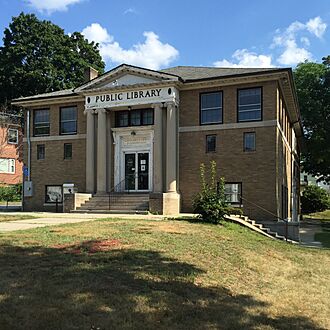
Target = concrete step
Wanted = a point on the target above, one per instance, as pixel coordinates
(112, 211)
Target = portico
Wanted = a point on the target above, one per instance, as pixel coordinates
(132, 139)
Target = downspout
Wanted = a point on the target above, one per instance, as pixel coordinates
(29, 144)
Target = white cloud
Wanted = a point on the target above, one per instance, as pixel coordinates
(95, 32)
(293, 54)
(287, 40)
(152, 53)
(50, 6)
(246, 59)
(316, 26)
(130, 11)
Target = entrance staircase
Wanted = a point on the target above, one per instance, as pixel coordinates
(116, 203)
(260, 228)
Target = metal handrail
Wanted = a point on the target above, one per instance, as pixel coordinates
(269, 212)
(120, 187)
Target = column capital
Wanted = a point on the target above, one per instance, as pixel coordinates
(157, 105)
(91, 111)
(170, 105)
(100, 111)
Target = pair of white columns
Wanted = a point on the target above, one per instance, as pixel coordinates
(101, 177)
(171, 150)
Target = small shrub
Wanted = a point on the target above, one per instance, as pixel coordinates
(210, 202)
(11, 193)
(235, 210)
(314, 199)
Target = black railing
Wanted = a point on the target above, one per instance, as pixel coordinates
(123, 187)
(242, 199)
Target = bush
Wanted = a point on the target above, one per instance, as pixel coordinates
(314, 199)
(11, 193)
(210, 202)
(235, 210)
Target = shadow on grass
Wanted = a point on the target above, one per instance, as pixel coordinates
(53, 288)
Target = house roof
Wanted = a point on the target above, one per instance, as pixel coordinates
(190, 73)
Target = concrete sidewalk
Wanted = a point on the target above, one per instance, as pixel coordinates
(52, 219)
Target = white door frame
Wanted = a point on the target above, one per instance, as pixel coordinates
(126, 142)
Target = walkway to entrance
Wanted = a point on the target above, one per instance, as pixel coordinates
(53, 219)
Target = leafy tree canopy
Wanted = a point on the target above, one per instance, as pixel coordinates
(38, 57)
(313, 88)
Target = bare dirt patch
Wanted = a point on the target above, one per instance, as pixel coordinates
(93, 246)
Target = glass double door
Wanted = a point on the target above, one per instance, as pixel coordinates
(137, 171)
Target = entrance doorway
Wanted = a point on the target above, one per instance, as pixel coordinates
(137, 171)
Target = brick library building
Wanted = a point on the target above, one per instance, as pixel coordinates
(134, 139)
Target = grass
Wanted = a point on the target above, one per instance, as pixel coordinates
(323, 216)
(5, 218)
(124, 274)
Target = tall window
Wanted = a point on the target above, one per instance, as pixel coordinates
(68, 120)
(40, 151)
(41, 122)
(233, 192)
(249, 104)
(67, 150)
(211, 108)
(249, 141)
(7, 165)
(12, 136)
(211, 143)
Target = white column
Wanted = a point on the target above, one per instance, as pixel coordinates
(101, 151)
(90, 152)
(171, 148)
(158, 148)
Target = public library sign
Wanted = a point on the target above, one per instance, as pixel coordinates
(143, 96)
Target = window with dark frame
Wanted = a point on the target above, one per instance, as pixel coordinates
(12, 136)
(53, 194)
(138, 117)
(249, 104)
(41, 125)
(211, 143)
(233, 192)
(67, 150)
(211, 108)
(40, 151)
(249, 141)
(68, 120)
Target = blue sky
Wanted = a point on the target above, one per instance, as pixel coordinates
(158, 33)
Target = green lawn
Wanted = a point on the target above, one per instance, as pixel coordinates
(5, 218)
(323, 216)
(125, 274)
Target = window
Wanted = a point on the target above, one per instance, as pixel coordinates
(53, 194)
(68, 120)
(137, 117)
(249, 104)
(7, 165)
(249, 141)
(211, 141)
(211, 108)
(12, 136)
(40, 151)
(41, 122)
(67, 150)
(233, 192)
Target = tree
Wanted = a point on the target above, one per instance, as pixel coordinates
(313, 88)
(314, 199)
(38, 57)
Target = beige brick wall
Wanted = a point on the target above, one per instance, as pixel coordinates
(256, 170)
(54, 169)
(189, 103)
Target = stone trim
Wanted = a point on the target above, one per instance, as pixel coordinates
(56, 138)
(266, 123)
